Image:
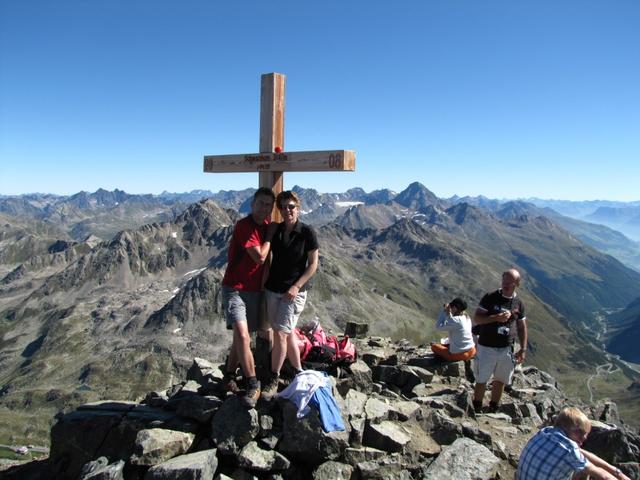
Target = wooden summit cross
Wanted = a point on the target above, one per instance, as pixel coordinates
(272, 160)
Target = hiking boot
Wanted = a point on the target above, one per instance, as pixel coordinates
(251, 394)
(271, 387)
(477, 406)
(493, 407)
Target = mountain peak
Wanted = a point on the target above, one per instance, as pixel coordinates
(463, 212)
(416, 196)
(202, 212)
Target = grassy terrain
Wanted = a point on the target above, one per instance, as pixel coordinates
(608, 386)
(20, 427)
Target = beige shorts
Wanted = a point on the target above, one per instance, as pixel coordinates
(498, 362)
(284, 316)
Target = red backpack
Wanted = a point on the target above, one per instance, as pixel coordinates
(318, 348)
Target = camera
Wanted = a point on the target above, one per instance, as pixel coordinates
(503, 330)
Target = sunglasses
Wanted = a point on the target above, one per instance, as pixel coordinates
(288, 206)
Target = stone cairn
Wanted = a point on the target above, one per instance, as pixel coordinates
(407, 416)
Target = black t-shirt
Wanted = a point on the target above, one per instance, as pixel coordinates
(498, 334)
(289, 260)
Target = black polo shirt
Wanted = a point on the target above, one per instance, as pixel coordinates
(498, 334)
(289, 260)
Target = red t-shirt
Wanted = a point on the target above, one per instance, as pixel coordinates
(242, 272)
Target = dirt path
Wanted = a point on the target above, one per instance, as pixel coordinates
(604, 369)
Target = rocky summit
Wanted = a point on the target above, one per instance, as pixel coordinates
(407, 415)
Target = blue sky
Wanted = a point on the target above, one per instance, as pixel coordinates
(504, 99)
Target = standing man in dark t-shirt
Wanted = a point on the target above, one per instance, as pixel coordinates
(242, 289)
(499, 317)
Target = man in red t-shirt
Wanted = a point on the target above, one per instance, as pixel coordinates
(242, 289)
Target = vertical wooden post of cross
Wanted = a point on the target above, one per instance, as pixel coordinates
(272, 160)
(272, 95)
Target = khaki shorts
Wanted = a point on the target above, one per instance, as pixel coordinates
(498, 362)
(284, 316)
(239, 306)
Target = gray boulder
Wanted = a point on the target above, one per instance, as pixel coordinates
(304, 440)
(385, 374)
(422, 444)
(106, 428)
(233, 426)
(188, 391)
(156, 399)
(206, 374)
(101, 470)
(440, 426)
(472, 431)
(266, 425)
(385, 470)
(334, 471)
(607, 412)
(354, 403)
(356, 329)
(375, 356)
(529, 412)
(613, 444)
(252, 457)
(353, 456)
(531, 376)
(202, 369)
(357, 431)
(376, 410)
(450, 369)
(464, 459)
(194, 466)
(387, 436)
(403, 410)
(157, 445)
(513, 410)
(410, 376)
(361, 376)
(198, 408)
(427, 361)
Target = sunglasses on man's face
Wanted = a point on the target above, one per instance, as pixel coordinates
(288, 206)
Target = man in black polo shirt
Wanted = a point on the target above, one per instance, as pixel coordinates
(294, 250)
(500, 316)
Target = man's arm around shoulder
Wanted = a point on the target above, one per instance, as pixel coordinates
(260, 253)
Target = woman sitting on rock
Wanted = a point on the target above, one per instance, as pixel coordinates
(457, 323)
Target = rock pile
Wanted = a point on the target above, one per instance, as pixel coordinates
(407, 416)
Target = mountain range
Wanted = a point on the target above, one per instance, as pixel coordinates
(81, 300)
(621, 216)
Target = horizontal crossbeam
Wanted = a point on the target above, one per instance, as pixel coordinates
(320, 161)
